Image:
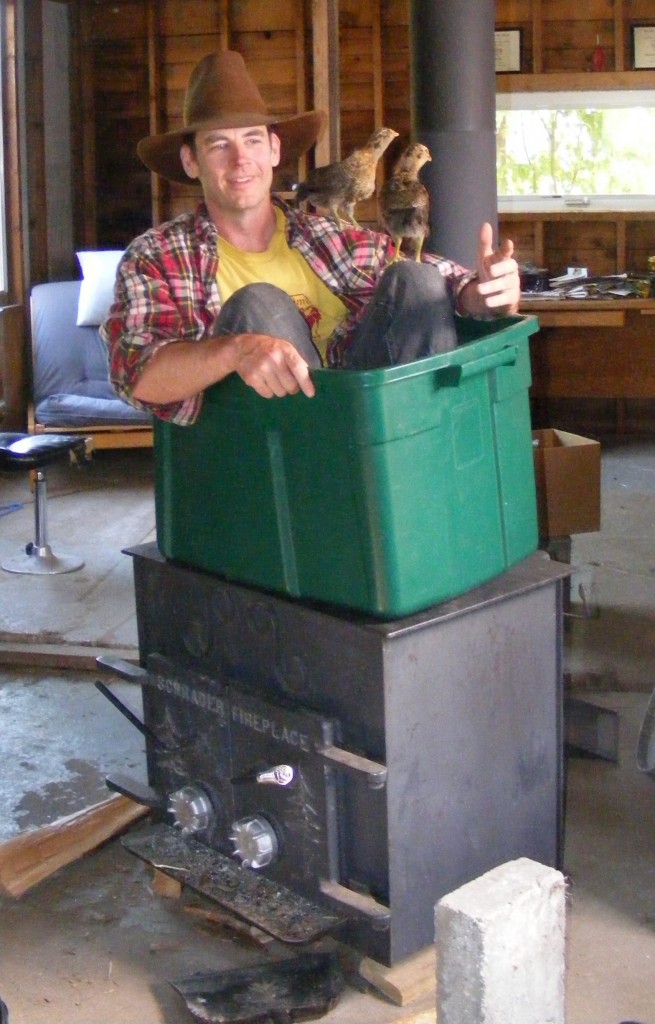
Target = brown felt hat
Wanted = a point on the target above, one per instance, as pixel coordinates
(221, 94)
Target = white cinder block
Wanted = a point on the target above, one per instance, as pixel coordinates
(500, 948)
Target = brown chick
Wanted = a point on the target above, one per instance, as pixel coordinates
(340, 186)
(405, 201)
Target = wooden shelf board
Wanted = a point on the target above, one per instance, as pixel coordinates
(576, 81)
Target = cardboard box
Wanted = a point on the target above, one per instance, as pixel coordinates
(567, 476)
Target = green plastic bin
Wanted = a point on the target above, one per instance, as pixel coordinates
(387, 492)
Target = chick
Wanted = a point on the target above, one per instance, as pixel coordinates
(405, 201)
(340, 186)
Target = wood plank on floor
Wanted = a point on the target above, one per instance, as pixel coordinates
(60, 655)
(405, 981)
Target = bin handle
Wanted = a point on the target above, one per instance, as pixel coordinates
(504, 357)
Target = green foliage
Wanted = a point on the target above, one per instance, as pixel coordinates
(575, 152)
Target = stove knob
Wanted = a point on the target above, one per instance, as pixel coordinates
(191, 810)
(255, 842)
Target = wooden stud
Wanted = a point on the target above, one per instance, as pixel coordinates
(405, 981)
(539, 243)
(325, 33)
(13, 366)
(157, 184)
(301, 73)
(13, 199)
(83, 95)
(378, 92)
(35, 142)
(619, 36)
(52, 656)
(537, 40)
(165, 885)
(31, 857)
(621, 260)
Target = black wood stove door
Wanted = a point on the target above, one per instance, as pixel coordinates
(246, 776)
(281, 780)
(189, 750)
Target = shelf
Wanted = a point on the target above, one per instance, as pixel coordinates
(576, 81)
(578, 213)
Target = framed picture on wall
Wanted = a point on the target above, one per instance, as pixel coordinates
(508, 50)
(643, 46)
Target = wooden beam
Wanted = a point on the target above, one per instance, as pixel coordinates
(378, 81)
(83, 122)
(13, 366)
(539, 252)
(301, 74)
(621, 247)
(574, 81)
(224, 25)
(13, 197)
(158, 187)
(598, 318)
(378, 86)
(33, 122)
(405, 981)
(31, 857)
(325, 34)
(537, 43)
(60, 655)
(619, 36)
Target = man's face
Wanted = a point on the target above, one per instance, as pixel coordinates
(233, 165)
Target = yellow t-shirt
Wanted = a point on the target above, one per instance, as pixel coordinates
(286, 268)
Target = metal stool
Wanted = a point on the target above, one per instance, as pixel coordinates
(34, 452)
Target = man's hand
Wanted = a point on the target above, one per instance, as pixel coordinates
(272, 366)
(498, 289)
(182, 369)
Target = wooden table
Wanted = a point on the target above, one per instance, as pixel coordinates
(592, 348)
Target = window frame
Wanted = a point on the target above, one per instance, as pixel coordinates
(570, 100)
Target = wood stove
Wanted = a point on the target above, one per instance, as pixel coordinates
(319, 770)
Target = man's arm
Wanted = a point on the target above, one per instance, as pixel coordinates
(180, 369)
(497, 289)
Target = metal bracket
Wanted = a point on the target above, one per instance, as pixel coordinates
(374, 773)
(357, 902)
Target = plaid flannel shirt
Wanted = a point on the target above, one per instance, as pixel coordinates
(167, 290)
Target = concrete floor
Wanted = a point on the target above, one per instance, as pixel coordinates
(93, 944)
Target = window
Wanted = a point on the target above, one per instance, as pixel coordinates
(562, 145)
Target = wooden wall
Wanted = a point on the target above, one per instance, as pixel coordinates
(130, 62)
(559, 36)
(135, 57)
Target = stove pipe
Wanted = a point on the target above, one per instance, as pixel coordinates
(454, 115)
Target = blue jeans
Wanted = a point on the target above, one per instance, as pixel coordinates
(410, 316)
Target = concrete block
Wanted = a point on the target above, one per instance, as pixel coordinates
(500, 948)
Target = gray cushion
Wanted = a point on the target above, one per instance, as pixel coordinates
(70, 369)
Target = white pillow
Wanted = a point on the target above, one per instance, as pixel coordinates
(97, 290)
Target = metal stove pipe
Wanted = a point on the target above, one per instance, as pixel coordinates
(454, 115)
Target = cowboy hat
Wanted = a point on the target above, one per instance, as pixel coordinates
(221, 94)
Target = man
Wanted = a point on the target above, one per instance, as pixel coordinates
(250, 286)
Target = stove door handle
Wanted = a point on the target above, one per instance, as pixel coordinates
(374, 773)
